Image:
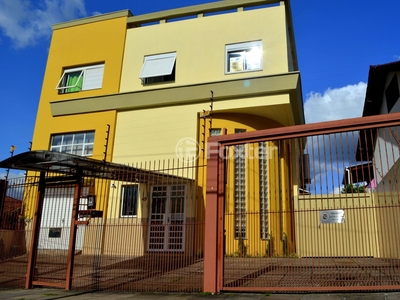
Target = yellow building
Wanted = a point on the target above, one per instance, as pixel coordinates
(136, 89)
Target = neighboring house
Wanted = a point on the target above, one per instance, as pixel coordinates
(382, 97)
(12, 204)
(140, 85)
(379, 150)
(10, 208)
(11, 213)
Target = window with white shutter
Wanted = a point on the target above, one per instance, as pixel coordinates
(158, 68)
(81, 79)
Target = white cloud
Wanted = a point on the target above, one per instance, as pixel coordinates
(26, 21)
(335, 104)
(330, 154)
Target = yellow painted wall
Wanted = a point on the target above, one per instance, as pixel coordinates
(129, 235)
(280, 221)
(76, 46)
(279, 195)
(200, 46)
(356, 237)
(97, 42)
(153, 134)
(387, 221)
(95, 121)
(126, 237)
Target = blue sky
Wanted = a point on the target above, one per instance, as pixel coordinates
(336, 43)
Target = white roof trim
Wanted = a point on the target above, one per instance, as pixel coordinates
(243, 46)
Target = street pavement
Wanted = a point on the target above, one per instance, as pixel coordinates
(49, 293)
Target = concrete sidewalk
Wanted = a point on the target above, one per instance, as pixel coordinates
(47, 293)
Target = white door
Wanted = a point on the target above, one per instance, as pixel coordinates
(56, 219)
(167, 216)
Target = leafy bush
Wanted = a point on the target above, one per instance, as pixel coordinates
(353, 188)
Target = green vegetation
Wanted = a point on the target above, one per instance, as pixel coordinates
(353, 188)
(270, 246)
(285, 245)
(242, 248)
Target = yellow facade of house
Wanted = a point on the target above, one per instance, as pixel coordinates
(96, 40)
(200, 43)
(155, 94)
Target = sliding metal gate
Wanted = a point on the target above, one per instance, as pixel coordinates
(307, 208)
(137, 229)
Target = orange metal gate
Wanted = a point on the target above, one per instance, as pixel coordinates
(308, 208)
(139, 229)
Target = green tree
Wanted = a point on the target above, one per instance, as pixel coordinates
(353, 188)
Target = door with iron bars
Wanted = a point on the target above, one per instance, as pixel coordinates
(167, 217)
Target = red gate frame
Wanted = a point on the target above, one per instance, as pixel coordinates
(215, 190)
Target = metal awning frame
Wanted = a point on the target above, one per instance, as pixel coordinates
(67, 165)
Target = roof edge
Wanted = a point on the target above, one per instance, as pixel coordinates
(195, 9)
(376, 85)
(107, 16)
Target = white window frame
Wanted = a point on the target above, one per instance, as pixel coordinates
(245, 50)
(122, 200)
(85, 144)
(158, 65)
(92, 78)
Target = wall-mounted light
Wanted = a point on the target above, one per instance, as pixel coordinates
(113, 186)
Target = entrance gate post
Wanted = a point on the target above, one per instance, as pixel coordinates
(35, 231)
(213, 244)
(72, 235)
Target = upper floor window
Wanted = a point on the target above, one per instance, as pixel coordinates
(243, 57)
(74, 143)
(81, 79)
(158, 68)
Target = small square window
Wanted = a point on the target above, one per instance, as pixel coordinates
(55, 232)
(158, 68)
(243, 57)
(215, 131)
(129, 200)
